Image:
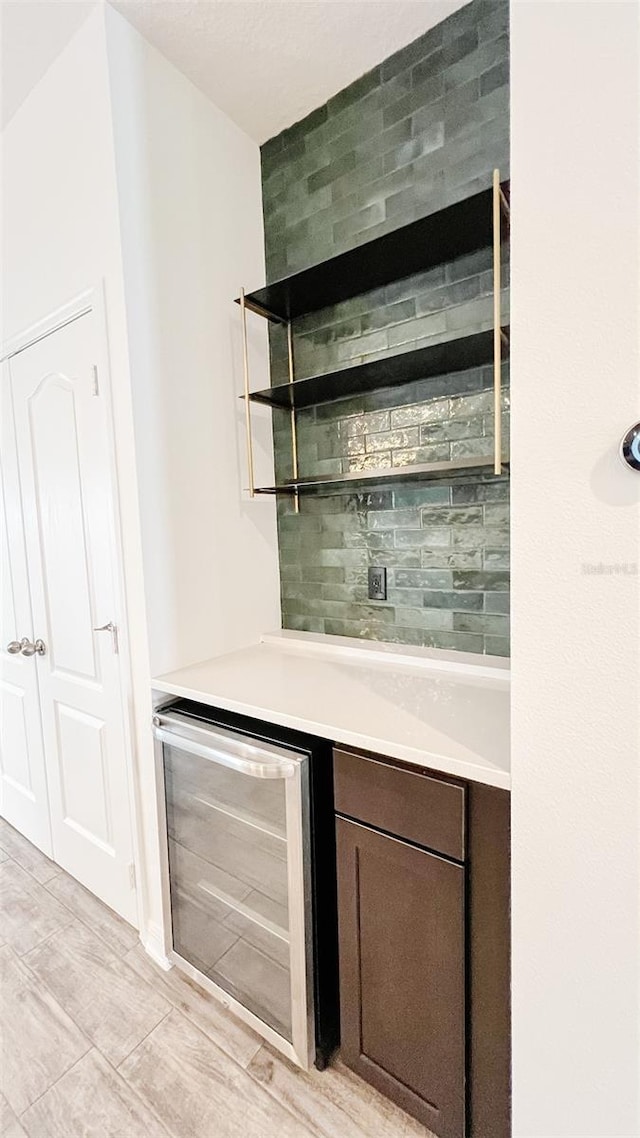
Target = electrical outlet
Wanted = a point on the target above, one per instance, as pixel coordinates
(377, 584)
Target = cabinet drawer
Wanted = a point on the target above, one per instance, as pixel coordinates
(408, 804)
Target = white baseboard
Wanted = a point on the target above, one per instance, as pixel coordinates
(153, 943)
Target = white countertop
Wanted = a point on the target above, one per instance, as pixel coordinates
(445, 710)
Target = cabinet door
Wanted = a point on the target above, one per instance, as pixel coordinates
(402, 979)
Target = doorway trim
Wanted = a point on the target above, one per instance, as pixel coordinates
(93, 300)
(84, 302)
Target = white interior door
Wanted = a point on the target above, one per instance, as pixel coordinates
(62, 437)
(23, 782)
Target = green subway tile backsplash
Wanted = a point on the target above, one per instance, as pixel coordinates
(421, 131)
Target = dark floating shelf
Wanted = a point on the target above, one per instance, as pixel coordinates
(443, 358)
(442, 236)
(334, 483)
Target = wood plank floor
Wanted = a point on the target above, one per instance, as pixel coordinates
(97, 1042)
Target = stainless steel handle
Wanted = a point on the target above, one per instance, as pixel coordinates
(271, 767)
(14, 647)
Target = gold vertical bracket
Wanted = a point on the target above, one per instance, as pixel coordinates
(247, 401)
(294, 434)
(497, 329)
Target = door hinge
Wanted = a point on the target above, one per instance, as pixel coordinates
(132, 875)
(96, 386)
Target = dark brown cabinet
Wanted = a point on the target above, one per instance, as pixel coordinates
(423, 903)
(402, 973)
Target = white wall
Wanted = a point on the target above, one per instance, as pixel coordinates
(575, 634)
(191, 215)
(61, 236)
(59, 208)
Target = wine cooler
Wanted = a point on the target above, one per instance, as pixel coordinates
(239, 875)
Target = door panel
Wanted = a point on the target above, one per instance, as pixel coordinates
(53, 426)
(23, 784)
(84, 782)
(16, 767)
(402, 974)
(63, 455)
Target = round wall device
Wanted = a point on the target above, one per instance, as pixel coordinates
(630, 447)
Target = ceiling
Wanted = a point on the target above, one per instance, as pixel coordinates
(266, 63)
(34, 32)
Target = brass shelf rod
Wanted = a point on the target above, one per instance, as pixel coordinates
(247, 396)
(497, 331)
(294, 435)
(247, 401)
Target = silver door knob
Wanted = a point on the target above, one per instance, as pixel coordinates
(14, 647)
(32, 648)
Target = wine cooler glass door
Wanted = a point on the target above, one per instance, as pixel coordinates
(238, 872)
